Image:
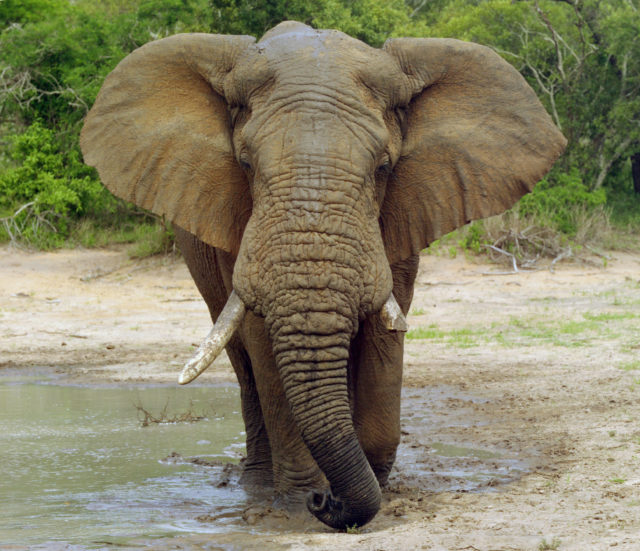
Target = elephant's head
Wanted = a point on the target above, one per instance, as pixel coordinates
(318, 161)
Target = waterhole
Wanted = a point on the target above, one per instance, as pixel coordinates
(78, 466)
(100, 466)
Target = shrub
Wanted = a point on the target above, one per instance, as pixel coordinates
(557, 201)
(55, 186)
(474, 238)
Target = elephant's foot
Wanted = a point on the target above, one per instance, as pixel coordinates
(382, 468)
(257, 474)
(294, 484)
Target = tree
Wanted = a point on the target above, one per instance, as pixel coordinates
(371, 21)
(583, 59)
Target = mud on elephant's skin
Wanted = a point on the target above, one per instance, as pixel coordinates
(307, 170)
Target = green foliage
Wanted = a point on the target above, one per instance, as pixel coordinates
(371, 21)
(55, 184)
(625, 209)
(463, 338)
(18, 12)
(630, 366)
(146, 236)
(152, 239)
(556, 201)
(55, 57)
(549, 546)
(474, 239)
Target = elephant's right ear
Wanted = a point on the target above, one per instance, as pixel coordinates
(159, 134)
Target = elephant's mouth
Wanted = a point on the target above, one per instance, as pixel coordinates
(230, 319)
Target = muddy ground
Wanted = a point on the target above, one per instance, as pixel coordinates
(544, 366)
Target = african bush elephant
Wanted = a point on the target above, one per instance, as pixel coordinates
(307, 170)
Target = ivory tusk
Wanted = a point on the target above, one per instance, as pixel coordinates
(228, 321)
(392, 315)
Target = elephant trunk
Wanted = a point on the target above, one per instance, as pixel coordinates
(311, 351)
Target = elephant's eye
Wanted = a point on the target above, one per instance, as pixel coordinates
(245, 165)
(236, 112)
(385, 168)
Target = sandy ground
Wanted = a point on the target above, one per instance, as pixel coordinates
(549, 363)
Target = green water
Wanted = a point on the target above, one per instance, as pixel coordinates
(76, 465)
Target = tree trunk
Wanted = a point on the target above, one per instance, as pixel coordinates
(635, 171)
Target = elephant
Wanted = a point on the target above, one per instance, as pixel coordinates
(304, 172)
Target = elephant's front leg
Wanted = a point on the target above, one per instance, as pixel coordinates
(258, 468)
(211, 270)
(376, 377)
(295, 472)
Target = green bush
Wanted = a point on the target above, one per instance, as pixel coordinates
(474, 238)
(556, 201)
(44, 188)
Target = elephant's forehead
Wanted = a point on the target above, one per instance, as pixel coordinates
(323, 54)
(301, 55)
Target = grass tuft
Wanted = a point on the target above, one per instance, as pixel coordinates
(630, 366)
(549, 546)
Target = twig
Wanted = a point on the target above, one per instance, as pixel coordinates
(97, 274)
(510, 255)
(28, 214)
(525, 267)
(564, 254)
(185, 417)
(64, 333)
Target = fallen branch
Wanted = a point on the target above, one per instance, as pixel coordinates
(455, 283)
(147, 418)
(516, 270)
(65, 334)
(564, 254)
(510, 255)
(97, 274)
(27, 215)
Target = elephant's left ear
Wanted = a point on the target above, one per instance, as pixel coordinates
(477, 139)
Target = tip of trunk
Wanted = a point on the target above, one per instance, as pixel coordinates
(339, 514)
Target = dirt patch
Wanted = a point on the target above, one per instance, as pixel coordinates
(552, 361)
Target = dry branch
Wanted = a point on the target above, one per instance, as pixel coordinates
(564, 254)
(27, 216)
(523, 249)
(147, 418)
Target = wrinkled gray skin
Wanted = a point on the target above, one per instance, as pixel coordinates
(307, 171)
